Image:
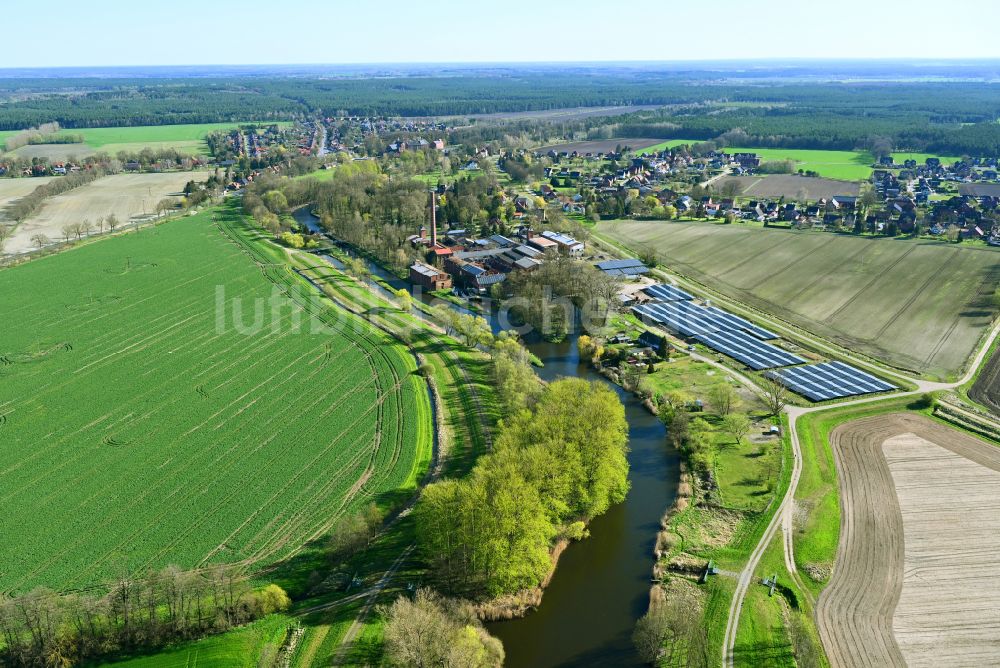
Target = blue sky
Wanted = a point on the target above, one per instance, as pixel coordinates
(177, 32)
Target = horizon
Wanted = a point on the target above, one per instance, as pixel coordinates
(453, 32)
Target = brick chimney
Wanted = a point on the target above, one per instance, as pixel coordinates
(434, 222)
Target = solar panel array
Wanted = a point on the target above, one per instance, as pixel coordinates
(667, 293)
(688, 319)
(629, 267)
(830, 380)
(748, 349)
(727, 320)
(720, 331)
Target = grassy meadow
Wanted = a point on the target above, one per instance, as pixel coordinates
(920, 306)
(146, 421)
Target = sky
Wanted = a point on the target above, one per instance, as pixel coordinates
(191, 32)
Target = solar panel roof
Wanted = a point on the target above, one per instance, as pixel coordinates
(748, 349)
(830, 380)
(667, 293)
(619, 264)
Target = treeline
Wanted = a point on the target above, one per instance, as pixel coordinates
(34, 136)
(702, 103)
(556, 463)
(810, 127)
(44, 628)
(23, 208)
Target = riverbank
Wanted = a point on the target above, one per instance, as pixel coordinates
(732, 472)
(610, 571)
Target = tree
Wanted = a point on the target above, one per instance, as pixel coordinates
(434, 631)
(404, 299)
(738, 425)
(723, 398)
(5, 232)
(39, 240)
(112, 222)
(275, 201)
(661, 635)
(293, 240)
(358, 268)
(68, 230)
(775, 395)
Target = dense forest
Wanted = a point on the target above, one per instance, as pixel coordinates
(941, 116)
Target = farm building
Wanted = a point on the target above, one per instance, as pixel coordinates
(429, 277)
(565, 243)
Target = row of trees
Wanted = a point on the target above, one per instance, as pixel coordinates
(45, 628)
(23, 208)
(555, 465)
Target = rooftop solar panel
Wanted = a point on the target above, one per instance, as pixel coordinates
(667, 293)
(830, 380)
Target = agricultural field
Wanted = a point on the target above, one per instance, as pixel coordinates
(790, 186)
(916, 578)
(663, 145)
(127, 196)
(188, 139)
(841, 165)
(916, 305)
(175, 396)
(15, 189)
(986, 389)
(980, 189)
(601, 145)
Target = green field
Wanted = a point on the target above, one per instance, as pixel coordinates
(144, 424)
(843, 165)
(917, 305)
(239, 648)
(670, 143)
(188, 138)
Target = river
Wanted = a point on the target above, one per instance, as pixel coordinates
(601, 586)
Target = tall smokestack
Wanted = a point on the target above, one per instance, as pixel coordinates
(434, 221)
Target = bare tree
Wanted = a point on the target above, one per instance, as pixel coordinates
(723, 398)
(39, 240)
(661, 636)
(68, 230)
(775, 395)
(112, 222)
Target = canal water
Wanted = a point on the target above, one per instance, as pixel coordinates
(601, 586)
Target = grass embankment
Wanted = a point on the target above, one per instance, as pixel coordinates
(724, 524)
(460, 375)
(461, 379)
(240, 648)
(723, 508)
